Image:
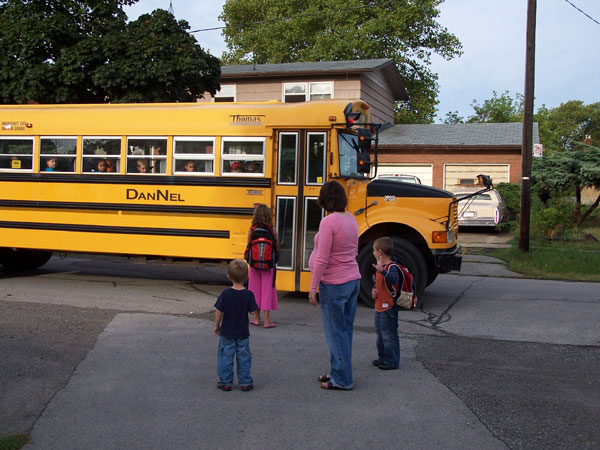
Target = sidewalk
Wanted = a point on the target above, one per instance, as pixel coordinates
(485, 266)
(499, 239)
(150, 383)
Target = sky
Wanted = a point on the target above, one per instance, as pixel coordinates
(493, 35)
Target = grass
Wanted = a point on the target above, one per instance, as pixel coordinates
(576, 260)
(14, 442)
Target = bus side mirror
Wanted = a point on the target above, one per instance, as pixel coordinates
(350, 116)
(485, 180)
(363, 162)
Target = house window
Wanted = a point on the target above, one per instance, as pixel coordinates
(294, 92)
(320, 91)
(226, 94)
(304, 92)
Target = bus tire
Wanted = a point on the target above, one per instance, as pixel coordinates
(406, 253)
(22, 260)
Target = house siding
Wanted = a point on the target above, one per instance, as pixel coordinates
(376, 93)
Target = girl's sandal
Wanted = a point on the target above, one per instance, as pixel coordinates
(331, 387)
(256, 324)
(324, 378)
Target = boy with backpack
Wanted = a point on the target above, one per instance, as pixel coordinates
(386, 311)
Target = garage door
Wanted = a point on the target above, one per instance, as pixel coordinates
(465, 175)
(424, 171)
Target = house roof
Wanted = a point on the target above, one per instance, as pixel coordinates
(386, 66)
(459, 135)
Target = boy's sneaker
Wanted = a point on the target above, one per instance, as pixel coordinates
(247, 388)
(377, 362)
(384, 366)
(224, 387)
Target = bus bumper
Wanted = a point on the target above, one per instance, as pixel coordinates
(448, 260)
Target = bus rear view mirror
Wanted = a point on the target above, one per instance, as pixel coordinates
(485, 180)
(364, 139)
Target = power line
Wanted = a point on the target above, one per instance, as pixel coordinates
(582, 12)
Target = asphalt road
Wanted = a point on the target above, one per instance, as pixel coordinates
(107, 354)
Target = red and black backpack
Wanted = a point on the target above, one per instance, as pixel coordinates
(261, 252)
(404, 292)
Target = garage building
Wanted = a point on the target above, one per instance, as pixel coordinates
(451, 156)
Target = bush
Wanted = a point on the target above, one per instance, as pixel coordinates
(511, 193)
(553, 220)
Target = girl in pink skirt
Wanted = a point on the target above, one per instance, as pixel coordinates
(261, 282)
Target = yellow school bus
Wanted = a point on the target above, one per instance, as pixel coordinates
(180, 182)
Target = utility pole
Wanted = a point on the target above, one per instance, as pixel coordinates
(527, 143)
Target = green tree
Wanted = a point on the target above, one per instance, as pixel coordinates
(452, 117)
(564, 128)
(281, 31)
(155, 59)
(498, 109)
(76, 51)
(563, 173)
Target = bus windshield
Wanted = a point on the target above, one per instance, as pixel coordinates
(347, 145)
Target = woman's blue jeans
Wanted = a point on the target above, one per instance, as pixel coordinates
(240, 348)
(388, 342)
(338, 307)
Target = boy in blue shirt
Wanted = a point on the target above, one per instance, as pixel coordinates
(231, 325)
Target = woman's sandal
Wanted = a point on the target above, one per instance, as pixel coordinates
(331, 387)
(256, 324)
(324, 378)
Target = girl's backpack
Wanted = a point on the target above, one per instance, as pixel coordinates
(261, 252)
(403, 292)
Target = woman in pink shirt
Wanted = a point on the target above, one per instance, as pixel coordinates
(336, 275)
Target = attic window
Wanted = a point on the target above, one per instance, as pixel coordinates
(294, 92)
(226, 94)
(304, 92)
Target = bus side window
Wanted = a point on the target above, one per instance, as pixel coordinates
(237, 151)
(57, 153)
(150, 152)
(193, 155)
(16, 153)
(100, 154)
(315, 155)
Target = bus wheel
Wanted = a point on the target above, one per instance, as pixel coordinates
(19, 260)
(406, 253)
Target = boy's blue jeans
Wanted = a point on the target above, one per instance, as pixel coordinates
(240, 348)
(338, 307)
(388, 342)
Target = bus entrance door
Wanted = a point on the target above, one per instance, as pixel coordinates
(300, 172)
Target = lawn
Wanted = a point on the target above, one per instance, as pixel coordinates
(13, 442)
(577, 259)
